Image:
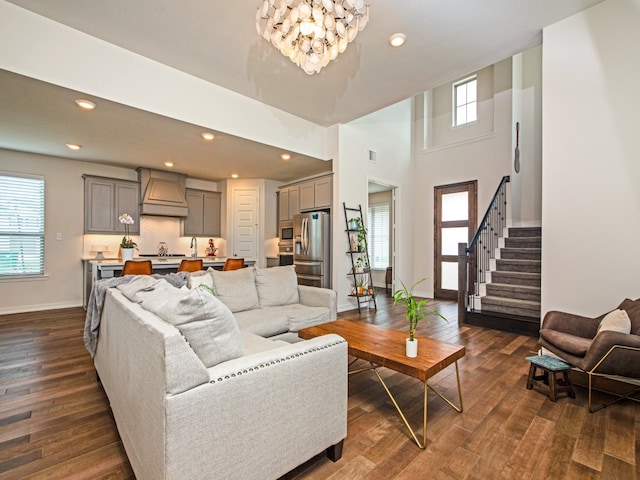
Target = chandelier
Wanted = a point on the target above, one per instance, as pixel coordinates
(311, 32)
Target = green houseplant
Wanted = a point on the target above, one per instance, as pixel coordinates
(416, 310)
(356, 225)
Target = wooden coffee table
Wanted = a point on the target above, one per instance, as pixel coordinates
(383, 347)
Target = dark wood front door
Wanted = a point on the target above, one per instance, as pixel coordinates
(455, 218)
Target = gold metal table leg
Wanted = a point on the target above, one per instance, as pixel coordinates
(422, 444)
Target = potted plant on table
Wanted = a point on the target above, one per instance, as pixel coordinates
(416, 310)
(127, 245)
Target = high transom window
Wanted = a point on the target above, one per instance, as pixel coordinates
(21, 225)
(465, 101)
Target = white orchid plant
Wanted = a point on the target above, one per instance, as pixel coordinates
(127, 241)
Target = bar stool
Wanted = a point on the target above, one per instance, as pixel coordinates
(190, 265)
(133, 267)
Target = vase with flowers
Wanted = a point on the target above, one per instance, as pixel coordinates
(127, 245)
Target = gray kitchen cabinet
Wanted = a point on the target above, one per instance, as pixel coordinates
(105, 199)
(316, 193)
(307, 196)
(323, 190)
(289, 203)
(203, 219)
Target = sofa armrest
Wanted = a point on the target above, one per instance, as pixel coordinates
(319, 297)
(622, 360)
(283, 406)
(572, 324)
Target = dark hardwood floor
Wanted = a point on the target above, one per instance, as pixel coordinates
(55, 421)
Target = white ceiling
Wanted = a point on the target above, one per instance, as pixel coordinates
(217, 41)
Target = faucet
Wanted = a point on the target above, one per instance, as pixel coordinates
(194, 245)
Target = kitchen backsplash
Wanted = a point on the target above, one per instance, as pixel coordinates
(153, 230)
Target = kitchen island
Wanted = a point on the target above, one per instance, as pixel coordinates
(108, 268)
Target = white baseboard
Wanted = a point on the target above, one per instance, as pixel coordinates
(39, 308)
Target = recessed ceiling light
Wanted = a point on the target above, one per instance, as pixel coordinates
(208, 136)
(85, 104)
(234, 175)
(168, 164)
(285, 156)
(73, 146)
(397, 39)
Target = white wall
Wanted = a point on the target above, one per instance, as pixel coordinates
(485, 157)
(388, 132)
(526, 186)
(591, 160)
(58, 54)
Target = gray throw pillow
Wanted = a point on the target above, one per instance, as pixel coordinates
(236, 288)
(204, 321)
(277, 286)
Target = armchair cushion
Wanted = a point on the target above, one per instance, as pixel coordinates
(573, 344)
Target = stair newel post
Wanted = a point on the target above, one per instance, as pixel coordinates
(463, 284)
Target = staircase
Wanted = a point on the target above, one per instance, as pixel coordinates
(512, 288)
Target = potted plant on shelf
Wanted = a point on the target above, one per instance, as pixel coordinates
(356, 225)
(127, 245)
(416, 310)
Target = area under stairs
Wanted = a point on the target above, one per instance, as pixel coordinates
(513, 282)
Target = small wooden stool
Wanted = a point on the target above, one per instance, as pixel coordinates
(547, 381)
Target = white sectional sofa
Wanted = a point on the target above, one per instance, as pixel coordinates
(200, 393)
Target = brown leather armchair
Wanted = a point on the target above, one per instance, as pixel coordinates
(577, 341)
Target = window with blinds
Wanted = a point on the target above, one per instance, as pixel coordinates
(21, 225)
(378, 235)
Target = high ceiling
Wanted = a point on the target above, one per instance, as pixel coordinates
(217, 41)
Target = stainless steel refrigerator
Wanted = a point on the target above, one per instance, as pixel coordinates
(312, 248)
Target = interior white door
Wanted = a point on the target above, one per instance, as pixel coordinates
(245, 223)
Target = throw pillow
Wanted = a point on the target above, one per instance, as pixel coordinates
(203, 277)
(236, 288)
(277, 286)
(204, 321)
(632, 307)
(616, 321)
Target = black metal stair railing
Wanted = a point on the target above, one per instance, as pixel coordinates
(474, 260)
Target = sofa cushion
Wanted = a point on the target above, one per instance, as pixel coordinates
(302, 316)
(236, 288)
(632, 307)
(204, 321)
(616, 321)
(573, 344)
(277, 286)
(201, 277)
(266, 322)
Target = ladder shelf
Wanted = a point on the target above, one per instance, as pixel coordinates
(358, 251)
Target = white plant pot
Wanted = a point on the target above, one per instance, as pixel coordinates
(412, 348)
(127, 254)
